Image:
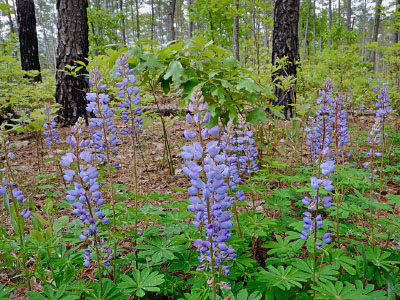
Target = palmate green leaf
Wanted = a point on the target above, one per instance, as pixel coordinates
(326, 273)
(340, 260)
(174, 71)
(160, 250)
(338, 291)
(285, 279)
(141, 281)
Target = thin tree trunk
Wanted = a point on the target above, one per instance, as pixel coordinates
(314, 34)
(73, 46)
(137, 20)
(171, 21)
(28, 41)
(190, 25)
(10, 20)
(285, 44)
(211, 25)
(305, 42)
(396, 33)
(377, 21)
(106, 5)
(330, 21)
(266, 29)
(348, 14)
(121, 8)
(235, 38)
(152, 20)
(339, 14)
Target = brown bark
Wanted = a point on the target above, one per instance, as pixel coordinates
(121, 8)
(348, 23)
(236, 31)
(306, 30)
(377, 21)
(190, 25)
(286, 44)
(171, 20)
(28, 42)
(73, 46)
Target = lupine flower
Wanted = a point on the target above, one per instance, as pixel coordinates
(131, 113)
(85, 196)
(320, 138)
(50, 128)
(204, 165)
(102, 128)
(239, 153)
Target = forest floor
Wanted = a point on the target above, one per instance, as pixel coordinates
(153, 171)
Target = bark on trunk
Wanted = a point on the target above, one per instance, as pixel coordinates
(236, 31)
(28, 42)
(171, 17)
(121, 8)
(190, 25)
(330, 20)
(348, 14)
(137, 20)
(396, 33)
(306, 30)
(286, 44)
(73, 46)
(377, 21)
(152, 20)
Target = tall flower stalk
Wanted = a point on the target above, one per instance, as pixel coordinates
(85, 196)
(320, 138)
(131, 115)
(104, 139)
(204, 165)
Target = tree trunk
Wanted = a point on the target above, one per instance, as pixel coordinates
(190, 25)
(314, 34)
(330, 20)
(377, 21)
(10, 20)
(171, 17)
(28, 42)
(286, 44)
(73, 46)
(396, 32)
(137, 20)
(348, 14)
(306, 30)
(339, 14)
(152, 20)
(106, 5)
(121, 8)
(236, 31)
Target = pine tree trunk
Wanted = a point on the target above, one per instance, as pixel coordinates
(305, 42)
(10, 20)
(314, 33)
(235, 37)
(339, 14)
(121, 8)
(137, 20)
(330, 20)
(396, 33)
(152, 20)
(28, 42)
(377, 21)
(286, 44)
(171, 21)
(348, 14)
(73, 46)
(190, 25)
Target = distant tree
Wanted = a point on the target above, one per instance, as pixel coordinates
(171, 18)
(28, 42)
(285, 43)
(236, 31)
(396, 32)
(190, 25)
(348, 15)
(377, 22)
(73, 46)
